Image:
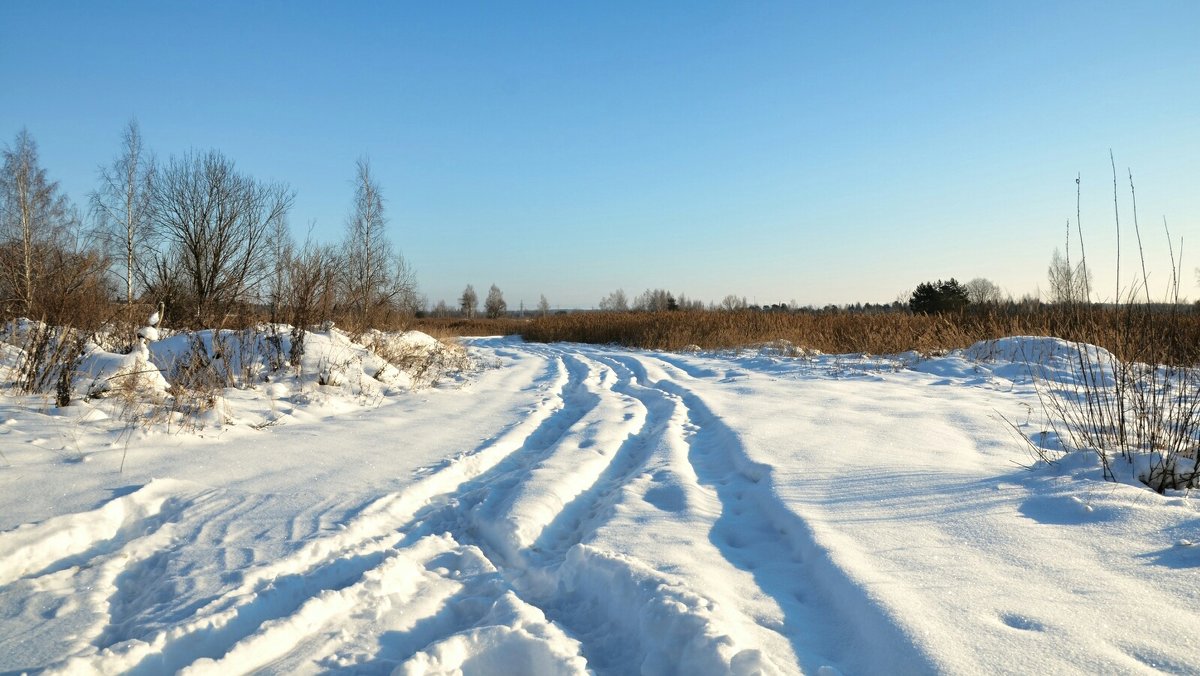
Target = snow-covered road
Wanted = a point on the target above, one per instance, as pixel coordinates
(580, 508)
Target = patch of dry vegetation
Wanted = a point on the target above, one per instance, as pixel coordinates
(1152, 334)
(457, 327)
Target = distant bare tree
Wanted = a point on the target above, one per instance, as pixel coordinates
(731, 303)
(543, 306)
(33, 215)
(495, 306)
(440, 310)
(283, 252)
(655, 300)
(685, 303)
(468, 302)
(122, 209)
(981, 291)
(1068, 284)
(615, 302)
(217, 225)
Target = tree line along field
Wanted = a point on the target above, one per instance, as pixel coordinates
(212, 245)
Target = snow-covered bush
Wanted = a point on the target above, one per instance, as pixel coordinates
(181, 381)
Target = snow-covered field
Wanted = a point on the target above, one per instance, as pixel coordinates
(571, 508)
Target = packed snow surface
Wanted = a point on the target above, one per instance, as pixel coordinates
(571, 509)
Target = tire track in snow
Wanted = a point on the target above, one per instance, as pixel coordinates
(456, 515)
(487, 500)
(626, 616)
(430, 591)
(152, 578)
(524, 515)
(579, 516)
(660, 625)
(756, 532)
(334, 562)
(578, 465)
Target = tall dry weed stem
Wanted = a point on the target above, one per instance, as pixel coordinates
(1139, 402)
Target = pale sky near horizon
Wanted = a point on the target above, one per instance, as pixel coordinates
(808, 152)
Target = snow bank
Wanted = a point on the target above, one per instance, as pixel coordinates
(1049, 359)
(1022, 358)
(101, 372)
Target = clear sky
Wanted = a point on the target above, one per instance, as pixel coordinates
(821, 152)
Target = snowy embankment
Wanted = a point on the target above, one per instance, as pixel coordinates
(582, 508)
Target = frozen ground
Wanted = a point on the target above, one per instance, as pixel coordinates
(572, 508)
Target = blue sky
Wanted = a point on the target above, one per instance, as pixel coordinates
(816, 152)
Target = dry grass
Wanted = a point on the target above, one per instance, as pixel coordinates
(454, 328)
(1143, 333)
(425, 365)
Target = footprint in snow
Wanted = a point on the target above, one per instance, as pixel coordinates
(1021, 622)
(667, 497)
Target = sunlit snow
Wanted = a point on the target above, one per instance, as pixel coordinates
(565, 509)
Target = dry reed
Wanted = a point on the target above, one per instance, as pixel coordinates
(1170, 334)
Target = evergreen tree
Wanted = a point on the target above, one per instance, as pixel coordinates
(937, 297)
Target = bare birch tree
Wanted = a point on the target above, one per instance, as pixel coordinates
(377, 280)
(495, 306)
(1068, 284)
(468, 302)
(615, 301)
(32, 215)
(122, 209)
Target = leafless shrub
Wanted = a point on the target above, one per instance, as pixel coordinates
(199, 369)
(1140, 406)
(275, 355)
(1138, 411)
(49, 358)
(311, 280)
